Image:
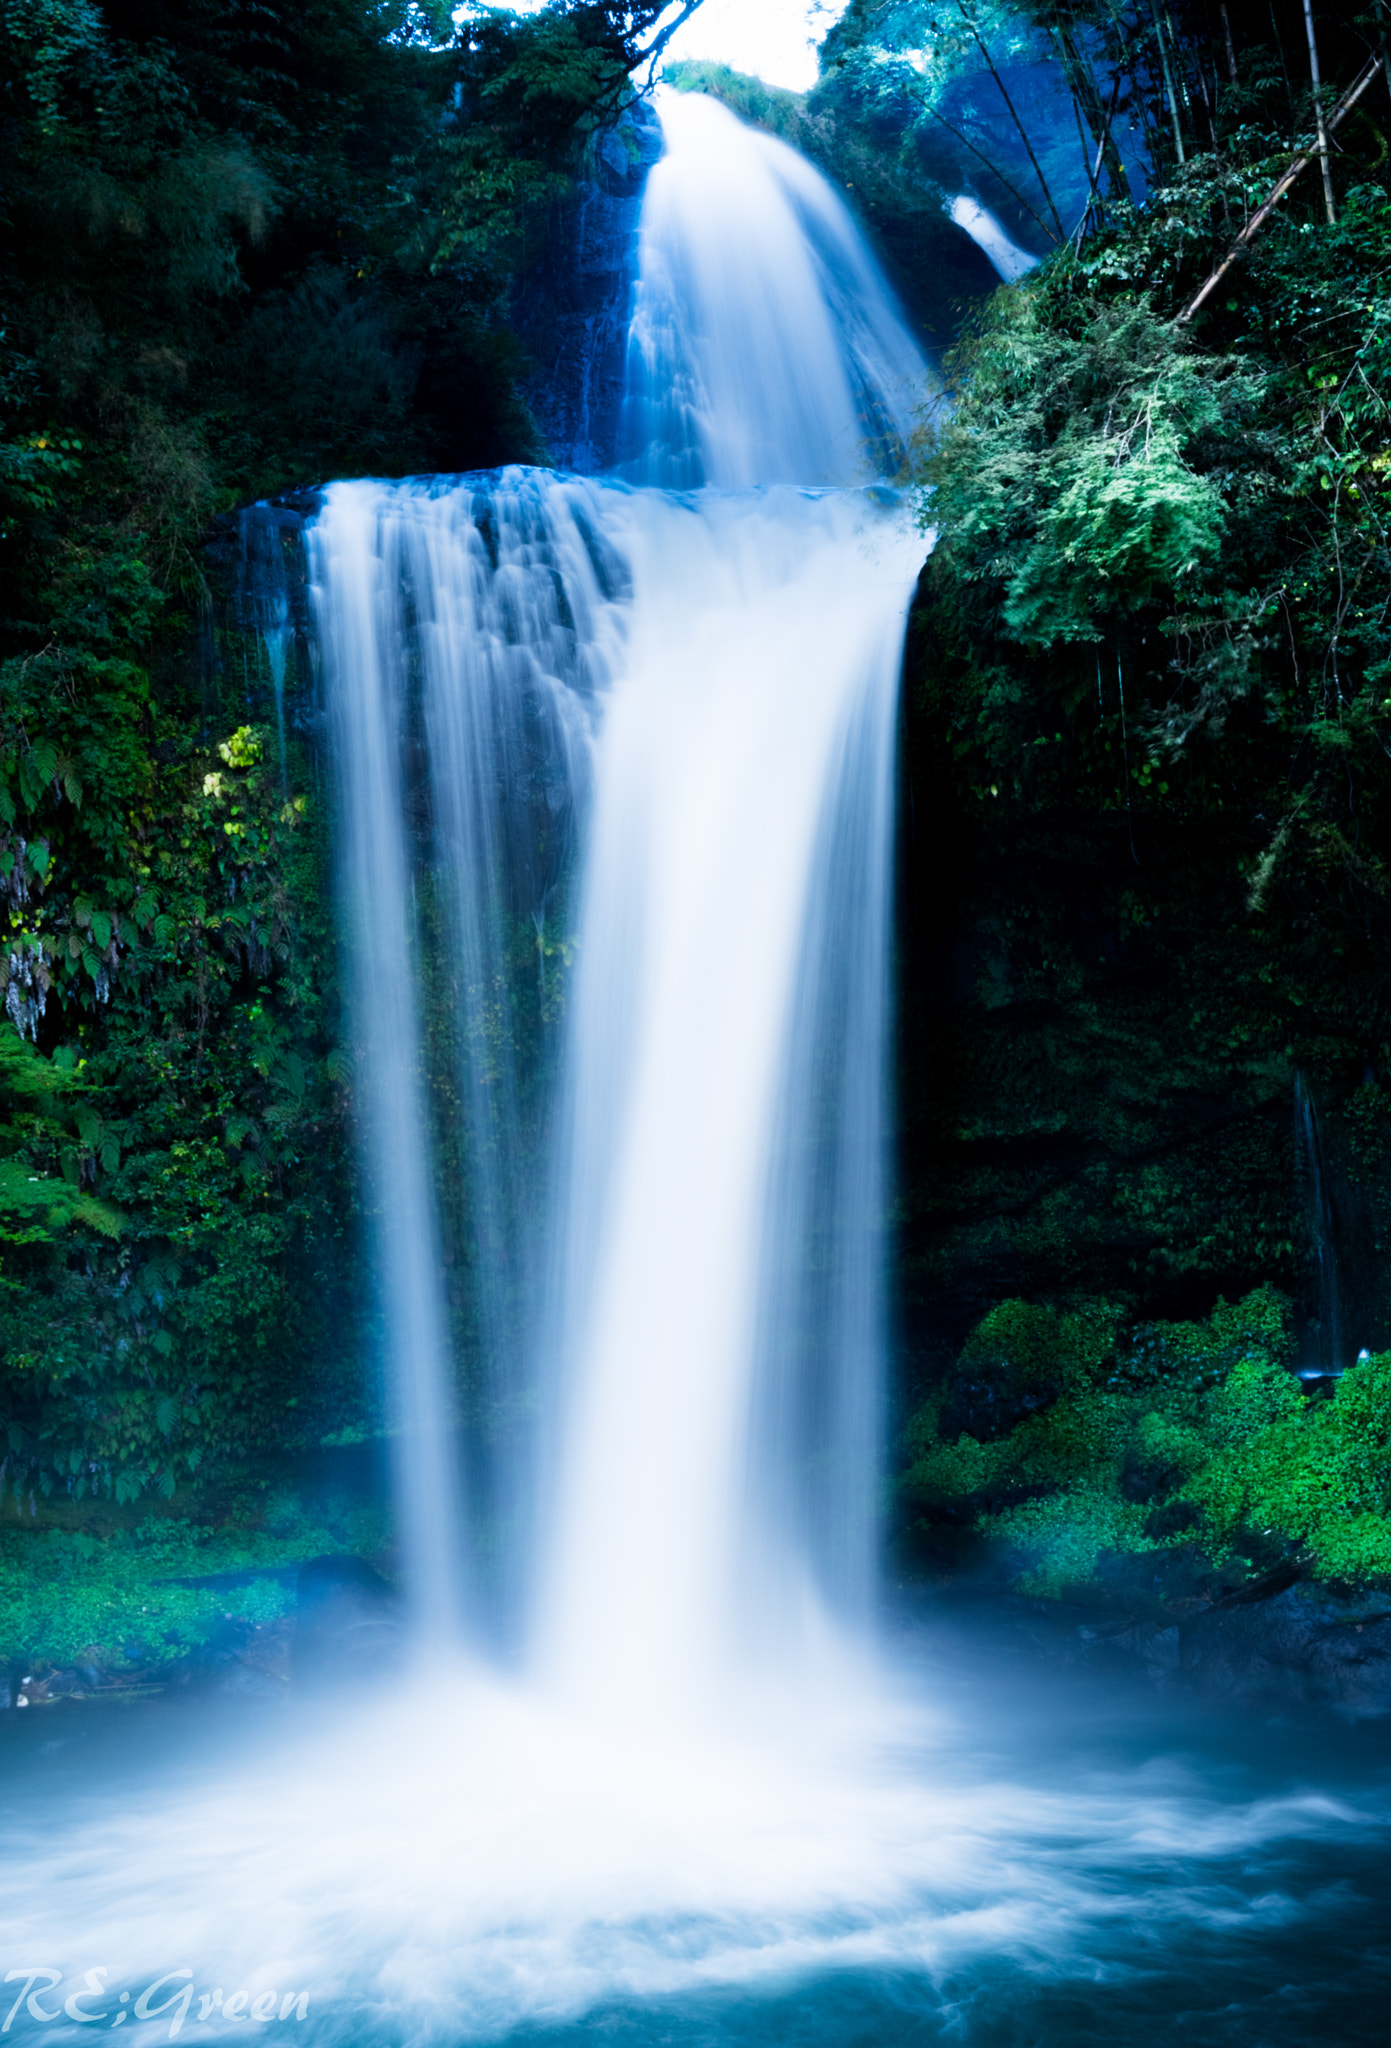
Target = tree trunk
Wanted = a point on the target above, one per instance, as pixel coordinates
(1086, 96)
(1263, 213)
(1324, 160)
(1023, 131)
(1169, 85)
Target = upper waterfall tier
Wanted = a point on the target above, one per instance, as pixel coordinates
(766, 346)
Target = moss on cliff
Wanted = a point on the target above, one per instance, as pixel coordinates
(1159, 1463)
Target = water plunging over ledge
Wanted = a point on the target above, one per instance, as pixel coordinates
(658, 724)
(695, 1306)
(724, 672)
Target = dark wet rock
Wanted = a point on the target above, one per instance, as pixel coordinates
(347, 1626)
(243, 1661)
(67, 1684)
(1293, 1644)
(1278, 1642)
(1301, 1644)
(231, 1582)
(990, 1402)
(1148, 1478)
(1171, 1518)
(574, 310)
(39, 1684)
(231, 1678)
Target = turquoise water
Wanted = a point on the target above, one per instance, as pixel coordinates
(1223, 1880)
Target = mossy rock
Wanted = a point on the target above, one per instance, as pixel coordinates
(1018, 1362)
(1165, 1466)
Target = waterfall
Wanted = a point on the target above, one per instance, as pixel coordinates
(626, 1216)
(1324, 1337)
(765, 346)
(665, 724)
(718, 1318)
(463, 628)
(1010, 261)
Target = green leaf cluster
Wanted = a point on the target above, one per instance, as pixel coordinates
(188, 1125)
(112, 1600)
(1082, 478)
(1184, 1443)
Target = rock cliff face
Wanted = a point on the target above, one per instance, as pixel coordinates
(1300, 1647)
(1098, 1051)
(573, 312)
(1129, 1088)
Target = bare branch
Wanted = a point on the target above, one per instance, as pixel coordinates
(1263, 213)
(994, 171)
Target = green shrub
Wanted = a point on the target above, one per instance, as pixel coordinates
(1037, 1345)
(1177, 1434)
(1057, 1541)
(1258, 1393)
(69, 1595)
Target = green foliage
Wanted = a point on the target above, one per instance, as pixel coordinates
(1038, 1346)
(1257, 1394)
(1149, 703)
(111, 1598)
(1202, 1364)
(1179, 1437)
(1084, 486)
(1064, 1535)
(1181, 520)
(1069, 481)
(241, 250)
(193, 1121)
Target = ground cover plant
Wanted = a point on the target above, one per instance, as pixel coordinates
(129, 1598)
(1157, 1465)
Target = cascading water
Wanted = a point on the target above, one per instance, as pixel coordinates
(1324, 1337)
(462, 628)
(699, 1787)
(765, 347)
(711, 1348)
(718, 1313)
(1009, 260)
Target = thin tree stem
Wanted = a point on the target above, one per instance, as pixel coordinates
(1263, 213)
(1023, 131)
(1279, 44)
(1169, 85)
(1324, 159)
(994, 171)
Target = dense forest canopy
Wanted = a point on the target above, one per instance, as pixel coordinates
(249, 246)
